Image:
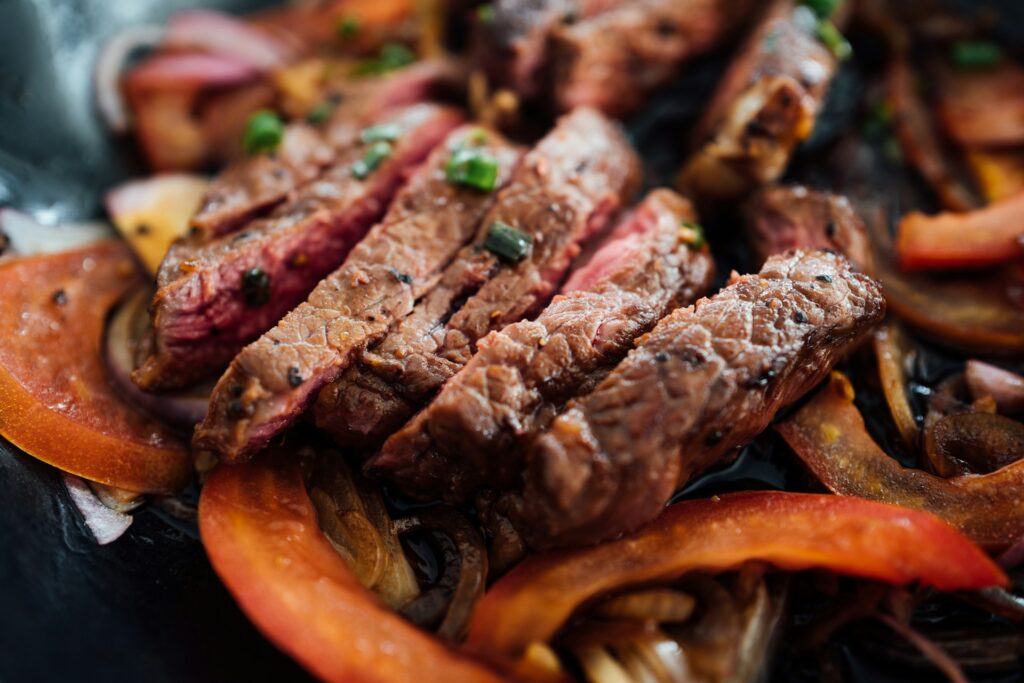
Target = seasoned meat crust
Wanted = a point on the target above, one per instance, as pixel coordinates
(251, 187)
(788, 217)
(273, 379)
(568, 187)
(707, 379)
(765, 105)
(215, 297)
(614, 60)
(473, 432)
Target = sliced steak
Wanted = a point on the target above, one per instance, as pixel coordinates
(614, 60)
(472, 434)
(253, 186)
(781, 218)
(216, 297)
(565, 191)
(765, 105)
(513, 39)
(273, 379)
(707, 379)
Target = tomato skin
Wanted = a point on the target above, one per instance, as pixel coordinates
(977, 239)
(261, 534)
(792, 531)
(56, 401)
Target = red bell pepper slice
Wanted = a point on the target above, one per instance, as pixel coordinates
(261, 534)
(56, 401)
(829, 436)
(975, 239)
(792, 531)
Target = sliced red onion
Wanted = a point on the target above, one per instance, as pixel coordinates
(26, 235)
(187, 72)
(124, 329)
(105, 524)
(1007, 388)
(222, 34)
(110, 64)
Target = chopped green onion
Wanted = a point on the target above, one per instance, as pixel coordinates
(348, 27)
(972, 54)
(474, 168)
(320, 113)
(388, 132)
(694, 235)
(392, 56)
(378, 152)
(823, 8)
(485, 13)
(263, 133)
(507, 243)
(834, 40)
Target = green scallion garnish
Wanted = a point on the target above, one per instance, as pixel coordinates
(263, 133)
(348, 27)
(508, 243)
(694, 235)
(472, 167)
(974, 54)
(392, 56)
(319, 113)
(377, 153)
(823, 8)
(388, 132)
(834, 40)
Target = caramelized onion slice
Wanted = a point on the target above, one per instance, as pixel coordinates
(1007, 388)
(892, 352)
(973, 443)
(829, 437)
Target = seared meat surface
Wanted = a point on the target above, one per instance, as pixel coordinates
(614, 60)
(566, 190)
(273, 379)
(252, 186)
(472, 433)
(705, 380)
(765, 105)
(215, 297)
(790, 217)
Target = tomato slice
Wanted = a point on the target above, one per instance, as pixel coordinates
(976, 239)
(261, 534)
(829, 436)
(793, 531)
(56, 402)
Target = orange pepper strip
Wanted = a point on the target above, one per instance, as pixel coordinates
(56, 401)
(829, 436)
(976, 239)
(792, 531)
(261, 534)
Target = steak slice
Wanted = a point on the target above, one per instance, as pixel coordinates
(472, 434)
(707, 379)
(781, 218)
(216, 297)
(614, 60)
(565, 191)
(252, 186)
(273, 379)
(765, 105)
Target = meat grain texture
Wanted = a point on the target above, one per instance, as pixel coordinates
(707, 379)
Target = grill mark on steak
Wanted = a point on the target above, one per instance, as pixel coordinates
(614, 60)
(216, 297)
(707, 379)
(427, 224)
(472, 434)
(566, 189)
(253, 186)
(781, 218)
(764, 106)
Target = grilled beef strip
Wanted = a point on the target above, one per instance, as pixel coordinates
(472, 434)
(216, 297)
(253, 186)
(271, 381)
(707, 379)
(566, 190)
(615, 59)
(765, 105)
(784, 217)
